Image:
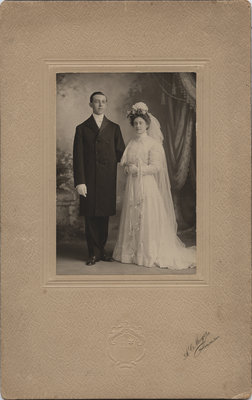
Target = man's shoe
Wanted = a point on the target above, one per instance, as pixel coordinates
(92, 260)
(106, 257)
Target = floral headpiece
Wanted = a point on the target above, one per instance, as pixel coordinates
(138, 109)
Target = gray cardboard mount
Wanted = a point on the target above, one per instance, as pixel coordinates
(58, 332)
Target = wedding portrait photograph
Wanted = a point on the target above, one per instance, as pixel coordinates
(126, 168)
(126, 173)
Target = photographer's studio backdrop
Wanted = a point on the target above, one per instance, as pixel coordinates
(171, 98)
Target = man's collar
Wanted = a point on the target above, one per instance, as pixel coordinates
(98, 116)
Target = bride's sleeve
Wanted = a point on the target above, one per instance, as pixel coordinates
(155, 161)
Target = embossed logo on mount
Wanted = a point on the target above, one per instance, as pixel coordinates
(126, 345)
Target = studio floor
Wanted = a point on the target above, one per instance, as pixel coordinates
(71, 261)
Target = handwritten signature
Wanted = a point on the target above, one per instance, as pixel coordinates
(201, 343)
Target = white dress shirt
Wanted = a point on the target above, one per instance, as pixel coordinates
(98, 119)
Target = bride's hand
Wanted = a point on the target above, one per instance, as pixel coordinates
(132, 169)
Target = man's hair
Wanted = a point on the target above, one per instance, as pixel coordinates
(93, 94)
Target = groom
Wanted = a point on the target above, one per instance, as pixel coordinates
(98, 147)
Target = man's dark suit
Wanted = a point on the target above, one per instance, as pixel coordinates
(96, 153)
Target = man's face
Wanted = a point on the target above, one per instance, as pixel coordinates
(99, 104)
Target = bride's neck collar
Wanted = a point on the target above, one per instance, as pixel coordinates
(141, 136)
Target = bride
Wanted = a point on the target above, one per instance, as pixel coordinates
(148, 228)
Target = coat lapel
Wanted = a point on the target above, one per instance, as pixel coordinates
(92, 124)
(105, 122)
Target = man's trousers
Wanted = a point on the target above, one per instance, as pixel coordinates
(96, 229)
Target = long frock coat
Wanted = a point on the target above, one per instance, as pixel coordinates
(96, 152)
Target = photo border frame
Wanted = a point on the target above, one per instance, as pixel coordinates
(202, 276)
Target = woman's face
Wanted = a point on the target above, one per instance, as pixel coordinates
(140, 125)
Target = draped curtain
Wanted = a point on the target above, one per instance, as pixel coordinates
(179, 128)
(178, 101)
(188, 81)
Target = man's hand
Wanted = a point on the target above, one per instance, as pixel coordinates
(82, 189)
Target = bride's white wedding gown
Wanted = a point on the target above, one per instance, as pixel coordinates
(147, 232)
